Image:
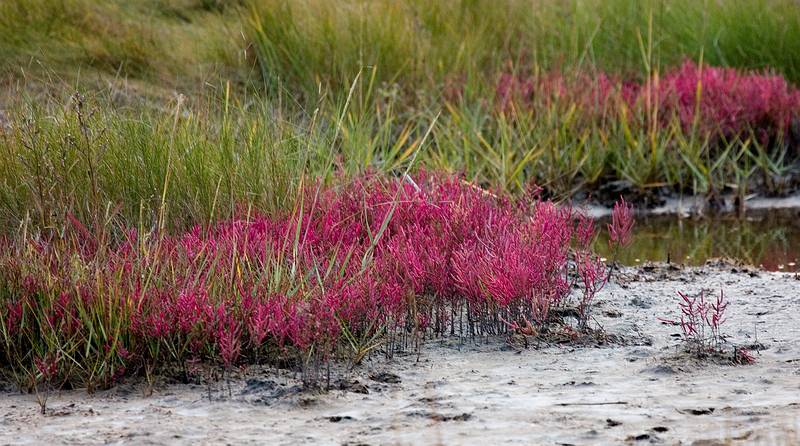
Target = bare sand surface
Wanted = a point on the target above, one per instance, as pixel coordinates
(636, 392)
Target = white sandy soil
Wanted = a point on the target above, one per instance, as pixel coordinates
(638, 393)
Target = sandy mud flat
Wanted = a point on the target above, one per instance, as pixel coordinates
(639, 391)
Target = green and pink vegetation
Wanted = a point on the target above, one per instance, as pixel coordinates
(716, 103)
(367, 264)
(571, 95)
(692, 129)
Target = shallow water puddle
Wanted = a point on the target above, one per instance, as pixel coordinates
(769, 239)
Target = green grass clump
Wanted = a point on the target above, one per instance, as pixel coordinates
(416, 44)
(196, 160)
(200, 162)
(83, 42)
(79, 32)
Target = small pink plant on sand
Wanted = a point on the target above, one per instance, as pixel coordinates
(45, 371)
(228, 334)
(592, 273)
(701, 323)
(585, 232)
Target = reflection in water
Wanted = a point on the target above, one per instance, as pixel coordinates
(771, 239)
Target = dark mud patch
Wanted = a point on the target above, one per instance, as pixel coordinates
(688, 357)
(352, 386)
(266, 392)
(385, 378)
(439, 417)
(697, 411)
(258, 385)
(340, 418)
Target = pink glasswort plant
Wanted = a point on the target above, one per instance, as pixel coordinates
(713, 101)
(592, 274)
(591, 271)
(367, 264)
(621, 226)
(701, 323)
(45, 372)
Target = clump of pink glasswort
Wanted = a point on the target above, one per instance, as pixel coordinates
(717, 102)
(395, 259)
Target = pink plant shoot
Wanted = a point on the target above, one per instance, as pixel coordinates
(13, 317)
(592, 273)
(621, 226)
(585, 232)
(46, 367)
(228, 337)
